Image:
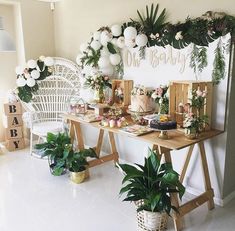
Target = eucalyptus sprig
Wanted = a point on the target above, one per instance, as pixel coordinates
(198, 60)
(219, 65)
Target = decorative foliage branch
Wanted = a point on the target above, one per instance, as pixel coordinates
(219, 65)
(198, 60)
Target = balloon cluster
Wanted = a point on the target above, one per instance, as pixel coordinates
(32, 71)
(102, 53)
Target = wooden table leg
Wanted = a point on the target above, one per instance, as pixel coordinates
(113, 146)
(178, 221)
(99, 142)
(186, 163)
(79, 136)
(206, 175)
(72, 131)
(155, 147)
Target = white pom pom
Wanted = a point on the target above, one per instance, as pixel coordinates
(78, 59)
(49, 61)
(130, 33)
(21, 82)
(83, 47)
(32, 64)
(96, 35)
(35, 74)
(103, 62)
(115, 59)
(19, 70)
(130, 43)
(31, 82)
(121, 42)
(107, 70)
(95, 45)
(141, 40)
(116, 30)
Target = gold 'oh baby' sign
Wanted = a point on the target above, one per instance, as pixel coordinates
(157, 56)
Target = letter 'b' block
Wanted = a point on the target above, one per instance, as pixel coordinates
(14, 133)
(13, 108)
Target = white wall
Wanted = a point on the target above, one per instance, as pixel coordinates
(30, 24)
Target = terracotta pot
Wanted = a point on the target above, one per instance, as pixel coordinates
(77, 177)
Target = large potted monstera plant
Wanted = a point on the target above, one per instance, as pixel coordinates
(149, 186)
(55, 148)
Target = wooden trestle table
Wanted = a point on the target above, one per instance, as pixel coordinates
(176, 141)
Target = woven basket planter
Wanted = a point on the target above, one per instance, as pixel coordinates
(150, 221)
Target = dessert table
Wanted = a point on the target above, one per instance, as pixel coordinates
(176, 141)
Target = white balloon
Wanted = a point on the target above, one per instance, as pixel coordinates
(32, 64)
(19, 70)
(30, 82)
(105, 37)
(95, 45)
(107, 70)
(96, 35)
(89, 70)
(21, 82)
(78, 59)
(42, 58)
(103, 62)
(49, 61)
(116, 30)
(114, 41)
(141, 40)
(130, 33)
(121, 42)
(115, 59)
(130, 43)
(83, 47)
(104, 52)
(35, 74)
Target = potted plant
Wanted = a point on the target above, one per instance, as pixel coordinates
(149, 186)
(76, 162)
(55, 149)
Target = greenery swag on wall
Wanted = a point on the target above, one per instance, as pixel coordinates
(102, 52)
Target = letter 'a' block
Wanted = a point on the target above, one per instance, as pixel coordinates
(13, 108)
(14, 133)
(14, 121)
(15, 144)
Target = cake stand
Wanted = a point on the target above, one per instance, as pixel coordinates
(163, 133)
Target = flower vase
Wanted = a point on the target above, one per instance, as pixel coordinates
(162, 109)
(99, 95)
(191, 133)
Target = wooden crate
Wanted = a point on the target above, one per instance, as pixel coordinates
(15, 144)
(13, 108)
(180, 92)
(126, 86)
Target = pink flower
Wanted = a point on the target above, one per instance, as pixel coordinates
(199, 92)
(106, 78)
(204, 94)
(159, 91)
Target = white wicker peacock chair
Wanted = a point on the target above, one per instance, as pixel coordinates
(52, 99)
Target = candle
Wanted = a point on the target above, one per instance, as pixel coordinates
(119, 123)
(112, 123)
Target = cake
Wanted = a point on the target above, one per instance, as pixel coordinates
(163, 123)
(140, 103)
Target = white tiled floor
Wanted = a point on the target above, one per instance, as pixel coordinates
(33, 200)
